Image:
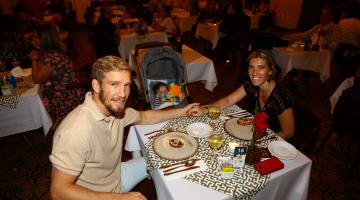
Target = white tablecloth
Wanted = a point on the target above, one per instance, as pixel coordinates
(347, 83)
(254, 18)
(288, 58)
(198, 67)
(184, 21)
(128, 41)
(209, 32)
(29, 114)
(290, 183)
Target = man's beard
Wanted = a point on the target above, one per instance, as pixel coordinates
(117, 114)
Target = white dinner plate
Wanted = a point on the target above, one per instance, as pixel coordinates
(165, 150)
(238, 131)
(198, 130)
(283, 150)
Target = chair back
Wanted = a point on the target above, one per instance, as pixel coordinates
(307, 126)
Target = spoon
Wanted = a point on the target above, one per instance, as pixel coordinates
(187, 163)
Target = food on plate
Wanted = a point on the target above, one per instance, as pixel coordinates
(176, 143)
(244, 121)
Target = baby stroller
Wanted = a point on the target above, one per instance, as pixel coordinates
(162, 75)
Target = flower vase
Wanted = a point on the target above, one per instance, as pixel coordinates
(254, 153)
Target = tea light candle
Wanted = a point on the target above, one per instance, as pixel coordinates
(232, 146)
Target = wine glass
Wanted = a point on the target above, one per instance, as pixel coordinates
(214, 112)
(215, 141)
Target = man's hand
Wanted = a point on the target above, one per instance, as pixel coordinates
(188, 107)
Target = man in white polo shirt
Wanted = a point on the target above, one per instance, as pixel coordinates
(87, 145)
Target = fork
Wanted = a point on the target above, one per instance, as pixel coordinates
(160, 132)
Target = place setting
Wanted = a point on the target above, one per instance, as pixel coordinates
(214, 148)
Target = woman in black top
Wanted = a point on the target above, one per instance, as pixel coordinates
(274, 99)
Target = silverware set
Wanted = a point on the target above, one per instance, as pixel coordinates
(242, 113)
(189, 164)
(158, 132)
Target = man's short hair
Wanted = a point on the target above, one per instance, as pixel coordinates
(108, 64)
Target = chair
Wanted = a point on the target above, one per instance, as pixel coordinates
(346, 117)
(307, 126)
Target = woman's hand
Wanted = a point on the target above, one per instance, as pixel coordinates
(197, 111)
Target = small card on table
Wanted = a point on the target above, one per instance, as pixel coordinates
(239, 156)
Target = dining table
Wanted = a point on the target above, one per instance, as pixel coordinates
(289, 58)
(23, 110)
(209, 31)
(183, 19)
(198, 67)
(254, 18)
(129, 39)
(206, 180)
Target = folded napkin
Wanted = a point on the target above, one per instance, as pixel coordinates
(182, 174)
(19, 72)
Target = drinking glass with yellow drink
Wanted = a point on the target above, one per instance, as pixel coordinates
(215, 141)
(214, 112)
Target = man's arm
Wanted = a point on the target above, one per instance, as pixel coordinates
(63, 187)
(156, 116)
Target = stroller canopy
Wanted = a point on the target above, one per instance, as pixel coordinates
(162, 63)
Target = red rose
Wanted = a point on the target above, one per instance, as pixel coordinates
(260, 123)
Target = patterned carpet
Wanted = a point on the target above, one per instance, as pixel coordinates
(25, 174)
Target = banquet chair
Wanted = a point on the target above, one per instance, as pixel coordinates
(346, 117)
(307, 126)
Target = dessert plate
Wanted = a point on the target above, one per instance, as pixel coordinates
(198, 130)
(283, 150)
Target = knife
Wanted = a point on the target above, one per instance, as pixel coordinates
(152, 132)
(240, 115)
(179, 163)
(186, 169)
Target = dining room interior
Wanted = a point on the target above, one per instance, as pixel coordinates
(25, 169)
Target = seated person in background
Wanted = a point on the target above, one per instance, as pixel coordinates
(235, 26)
(87, 146)
(52, 68)
(346, 56)
(274, 99)
(105, 38)
(327, 34)
(350, 26)
(165, 22)
(13, 45)
(210, 13)
(264, 38)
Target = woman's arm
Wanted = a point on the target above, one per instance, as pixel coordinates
(225, 102)
(287, 123)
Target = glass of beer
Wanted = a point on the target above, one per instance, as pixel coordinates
(215, 142)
